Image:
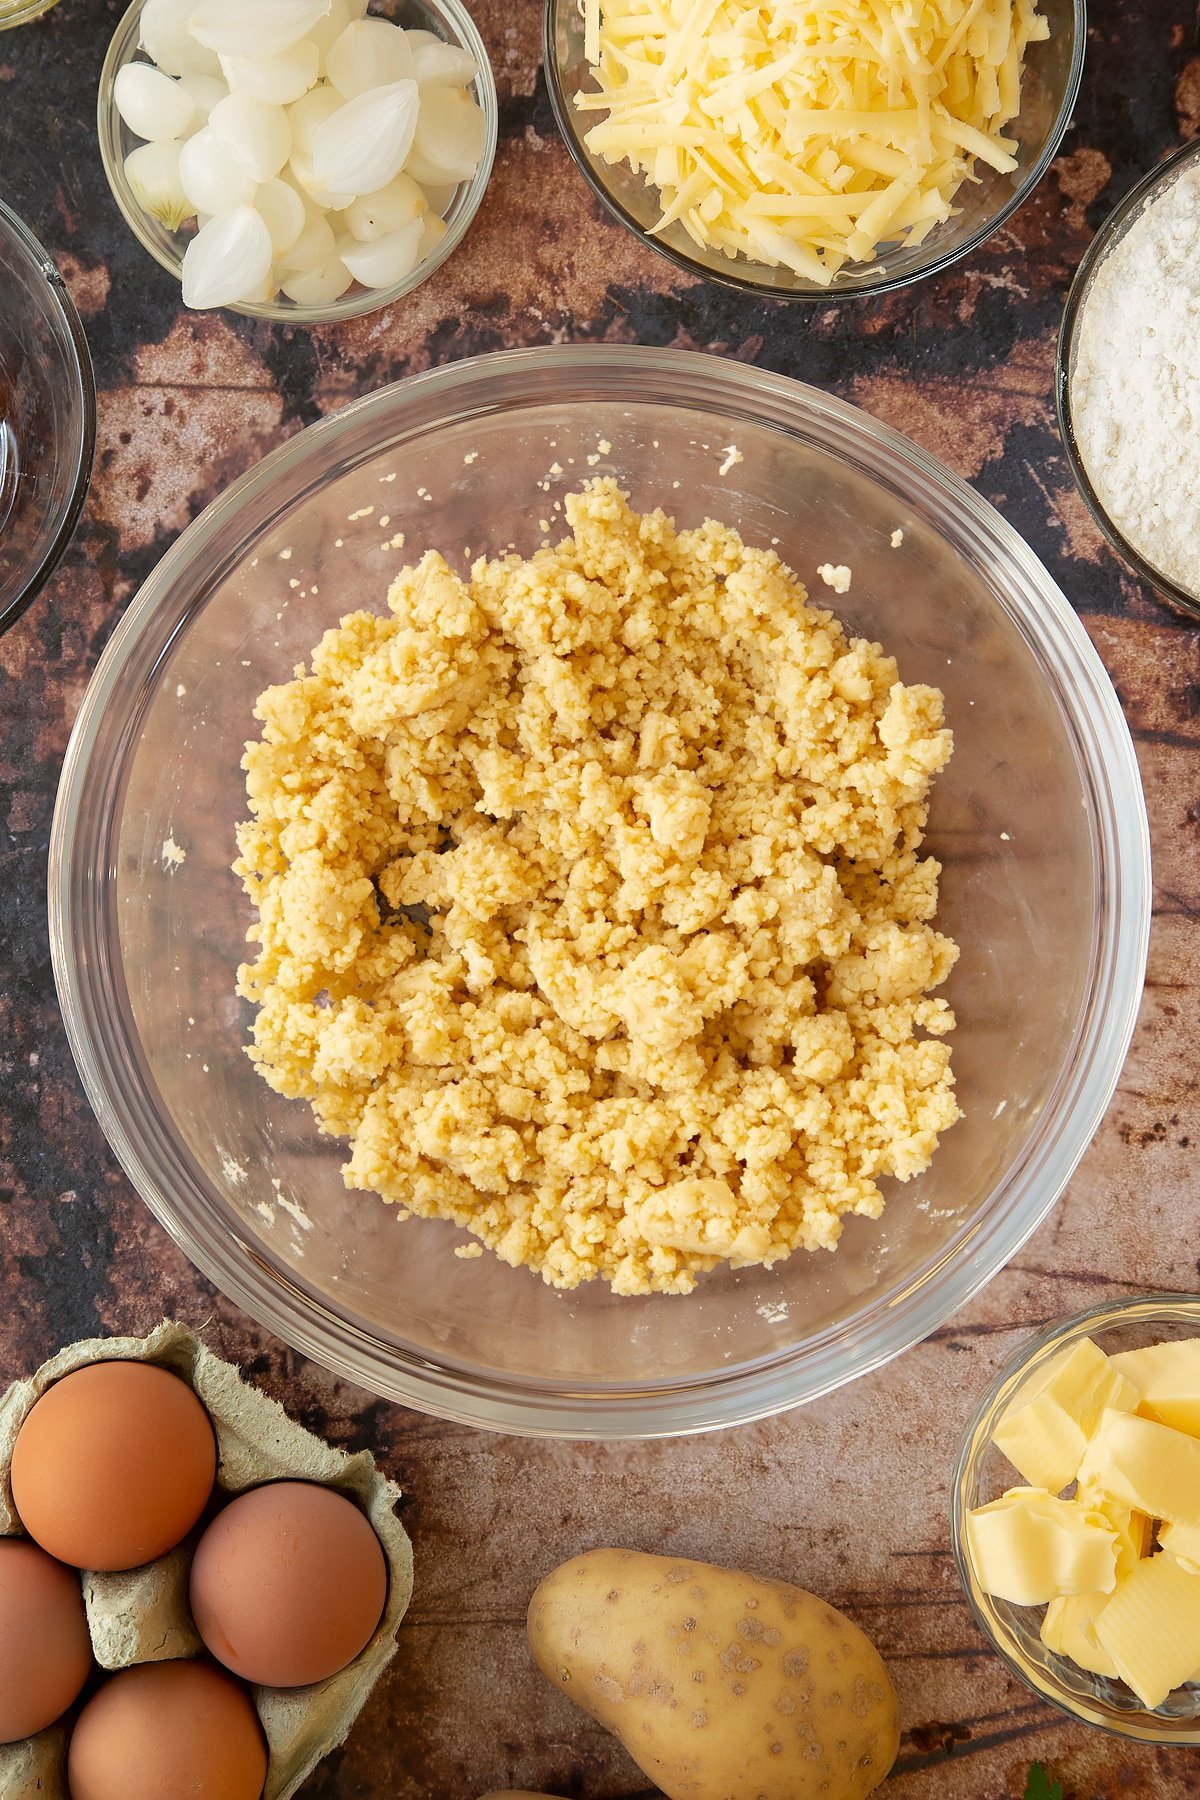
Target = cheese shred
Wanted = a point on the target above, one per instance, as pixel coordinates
(806, 133)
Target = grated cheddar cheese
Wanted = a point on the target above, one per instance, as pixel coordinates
(806, 133)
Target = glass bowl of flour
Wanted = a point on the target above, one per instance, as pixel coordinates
(1128, 378)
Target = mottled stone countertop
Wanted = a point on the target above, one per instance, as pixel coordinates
(848, 1496)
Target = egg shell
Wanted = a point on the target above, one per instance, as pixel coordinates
(113, 1466)
(142, 1616)
(45, 1651)
(168, 1729)
(288, 1584)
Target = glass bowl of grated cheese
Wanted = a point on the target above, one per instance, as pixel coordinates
(1038, 821)
(808, 155)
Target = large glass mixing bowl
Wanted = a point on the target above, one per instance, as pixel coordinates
(1038, 819)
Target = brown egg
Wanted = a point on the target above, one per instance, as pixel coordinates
(45, 1651)
(114, 1465)
(288, 1584)
(162, 1730)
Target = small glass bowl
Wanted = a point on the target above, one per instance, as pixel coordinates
(20, 12)
(447, 19)
(984, 1473)
(1051, 82)
(47, 417)
(1119, 221)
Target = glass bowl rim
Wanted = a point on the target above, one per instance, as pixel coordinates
(1018, 1201)
(123, 47)
(1106, 238)
(24, 12)
(560, 103)
(1105, 1315)
(39, 262)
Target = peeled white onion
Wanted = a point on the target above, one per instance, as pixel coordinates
(386, 260)
(276, 80)
(450, 135)
(212, 177)
(228, 260)
(448, 64)
(370, 53)
(152, 105)
(307, 114)
(440, 195)
(392, 207)
(319, 286)
(163, 34)
(152, 171)
(254, 27)
(203, 91)
(284, 211)
(302, 172)
(258, 135)
(433, 230)
(364, 144)
(266, 290)
(325, 33)
(313, 248)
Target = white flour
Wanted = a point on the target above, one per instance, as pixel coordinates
(1135, 389)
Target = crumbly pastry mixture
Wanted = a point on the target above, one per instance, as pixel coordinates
(1135, 387)
(590, 908)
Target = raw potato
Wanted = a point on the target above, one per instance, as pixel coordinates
(722, 1686)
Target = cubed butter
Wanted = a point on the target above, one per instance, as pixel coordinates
(1167, 1376)
(1151, 1628)
(1069, 1629)
(1183, 1543)
(1145, 1465)
(1046, 1429)
(1029, 1547)
(1133, 1530)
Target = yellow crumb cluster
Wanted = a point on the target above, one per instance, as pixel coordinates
(590, 909)
(804, 135)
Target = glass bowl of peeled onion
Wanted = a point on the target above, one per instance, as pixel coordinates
(297, 160)
(813, 160)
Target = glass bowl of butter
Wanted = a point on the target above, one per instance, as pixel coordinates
(809, 161)
(1075, 1513)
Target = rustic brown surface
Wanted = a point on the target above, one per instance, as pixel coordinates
(849, 1496)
